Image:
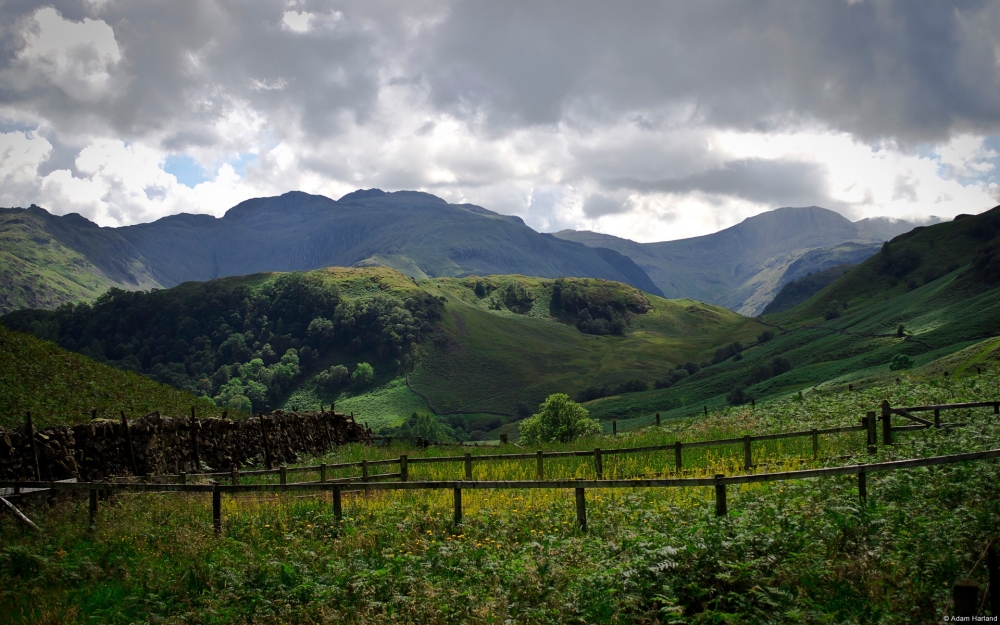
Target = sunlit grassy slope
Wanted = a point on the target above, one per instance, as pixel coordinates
(485, 359)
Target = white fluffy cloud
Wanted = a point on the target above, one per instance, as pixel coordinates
(663, 122)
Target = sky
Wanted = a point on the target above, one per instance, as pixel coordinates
(647, 120)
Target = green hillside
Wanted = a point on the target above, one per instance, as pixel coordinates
(491, 346)
(488, 358)
(941, 283)
(59, 387)
(46, 261)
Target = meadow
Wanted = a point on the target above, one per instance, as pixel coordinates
(791, 552)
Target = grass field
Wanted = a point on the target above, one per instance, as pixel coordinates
(791, 552)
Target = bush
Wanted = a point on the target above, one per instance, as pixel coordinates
(832, 310)
(692, 367)
(480, 289)
(765, 336)
(559, 419)
(900, 331)
(333, 378)
(780, 365)
(900, 361)
(363, 375)
(738, 396)
(522, 410)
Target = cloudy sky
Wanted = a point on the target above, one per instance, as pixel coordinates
(649, 120)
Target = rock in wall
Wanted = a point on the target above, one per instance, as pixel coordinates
(161, 445)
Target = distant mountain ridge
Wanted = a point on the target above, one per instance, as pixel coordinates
(416, 233)
(743, 267)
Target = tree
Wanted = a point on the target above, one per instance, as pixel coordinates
(480, 289)
(765, 336)
(738, 396)
(559, 419)
(900, 361)
(832, 310)
(363, 375)
(333, 378)
(900, 331)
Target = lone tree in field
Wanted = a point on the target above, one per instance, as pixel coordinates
(559, 419)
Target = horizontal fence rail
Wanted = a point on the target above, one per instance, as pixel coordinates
(337, 488)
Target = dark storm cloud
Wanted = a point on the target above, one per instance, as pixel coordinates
(912, 70)
(775, 183)
(185, 65)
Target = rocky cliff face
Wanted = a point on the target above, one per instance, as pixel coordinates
(162, 445)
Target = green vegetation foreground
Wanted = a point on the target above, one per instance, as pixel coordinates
(791, 552)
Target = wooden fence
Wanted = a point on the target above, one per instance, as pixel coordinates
(368, 481)
(869, 425)
(338, 487)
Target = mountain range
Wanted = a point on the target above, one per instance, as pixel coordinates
(47, 260)
(743, 267)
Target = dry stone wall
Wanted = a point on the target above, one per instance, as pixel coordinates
(161, 445)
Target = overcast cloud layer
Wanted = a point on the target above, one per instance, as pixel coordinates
(649, 120)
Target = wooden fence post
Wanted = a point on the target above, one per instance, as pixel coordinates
(720, 496)
(364, 472)
(183, 477)
(677, 456)
(598, 463)
(657, 419)
(128, 441)
(966, 598)
(29, 426)
(815, 441)
(93, 506)
(322, 472)
(338, 505)
(996, 407)
(706, 409)
(504, 439)
(872, 436)
(747, 453)
(581, 510)
(217, 509)
(614, 428)
(886, 423)
(468, 466)
(458, 506)
(541, 465)
(235, 476)
(283, 474)
(403, 471)
(993, 567)
(937, 417)
(863, 486)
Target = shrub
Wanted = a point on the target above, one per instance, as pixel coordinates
(558, 419)
(832, 310)
(780, 365)
(333, 378)
(900, 331)
(738, 357)
(363, 375)
(900, 361)
(692, 367)
(738, 396)
(765, 336)
(480, 289)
